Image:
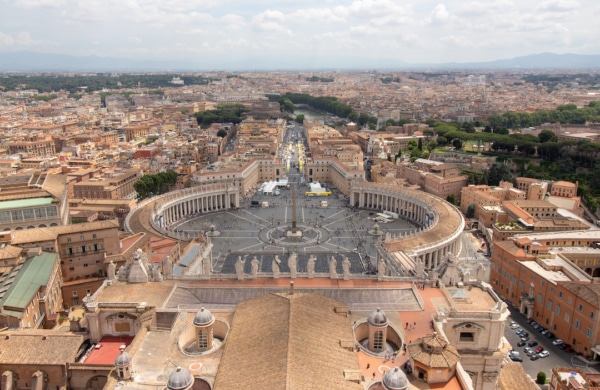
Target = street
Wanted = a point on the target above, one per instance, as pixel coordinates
(557, 358)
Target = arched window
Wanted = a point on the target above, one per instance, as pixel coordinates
(378, 341)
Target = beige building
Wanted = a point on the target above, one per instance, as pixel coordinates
(437, 178)
(116, 184)
(30, 293)
(84, 250)
(33, 200)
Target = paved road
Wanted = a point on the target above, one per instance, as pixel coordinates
(557, 358)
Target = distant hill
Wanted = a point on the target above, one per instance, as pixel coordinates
(24, 61)
(533, 61)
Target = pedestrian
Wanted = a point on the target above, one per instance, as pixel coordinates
(406, 326)
(368, 365)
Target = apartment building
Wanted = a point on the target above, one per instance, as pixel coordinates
(550, 277)
(34, 200)
(84, 250)
(437, 178)
(114, 184)
(30, 292)
(33, 146)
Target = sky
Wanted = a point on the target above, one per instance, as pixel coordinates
(301, 33)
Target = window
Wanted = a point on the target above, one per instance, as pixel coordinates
(588, 332)
(83, 249)
(70, 251)
(467, 336)
(378, 341)
(203, 340)
(95, 247)
(577, 324)
(580, 307)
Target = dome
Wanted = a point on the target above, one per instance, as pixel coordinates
(377, 318)
(203, 317)
(180, 379)
(123, 359)
(395, 379)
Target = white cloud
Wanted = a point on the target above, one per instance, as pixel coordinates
(15, 40)
(440, 13)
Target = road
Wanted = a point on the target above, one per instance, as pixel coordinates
(557, 358)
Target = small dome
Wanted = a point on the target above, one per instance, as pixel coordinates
(180, 379)
(377, 318)
(123, 359)
(395, 379)
(203, 317)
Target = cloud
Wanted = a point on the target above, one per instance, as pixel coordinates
(15, 40)
(440, 13)
(559, 6)
(270, 21)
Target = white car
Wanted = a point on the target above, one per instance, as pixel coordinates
(558, 342)
(544, 354)
(514, 325)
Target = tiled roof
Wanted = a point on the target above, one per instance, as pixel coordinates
(287, 342)
(39, 347)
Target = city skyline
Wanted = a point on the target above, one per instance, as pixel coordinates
(311, 35)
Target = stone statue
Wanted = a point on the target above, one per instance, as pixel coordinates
(254, 263)
(239, 268)
(346, 267)
(381, 268)
(333, 268)
(310, 266)
(111, 270)
(275, 266)
(293, 265)
(156, 274)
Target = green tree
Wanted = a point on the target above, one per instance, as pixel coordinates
(470, 211)
(541, 378)
(547, 136)
(300, 118)
(441, 140)
(451, 199)
(222, 133)
(497, 173)
(420, 144)
(457, 143)
(156, 184)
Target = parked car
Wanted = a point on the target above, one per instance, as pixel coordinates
(544, 354)
(524, 339)
(532, 343)
(521, 344)
(515, 356)
(528, 350)
(549, 335)
(558, 342)
(544, 331)
(514, 325)
(534, 357)
(539, 349)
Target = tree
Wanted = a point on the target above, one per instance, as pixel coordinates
(470, 211)
(300, 118)
(457, 143)
(151, 185)
(497, 173)
(441, 140)
(541, 378)
(222, 133)
(451, 199)
(420, 144)
(547, 136)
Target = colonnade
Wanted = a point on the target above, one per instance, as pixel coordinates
(430, 245)
(197, 204)
(410, 209)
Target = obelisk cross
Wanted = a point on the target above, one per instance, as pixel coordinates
(294, 208)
